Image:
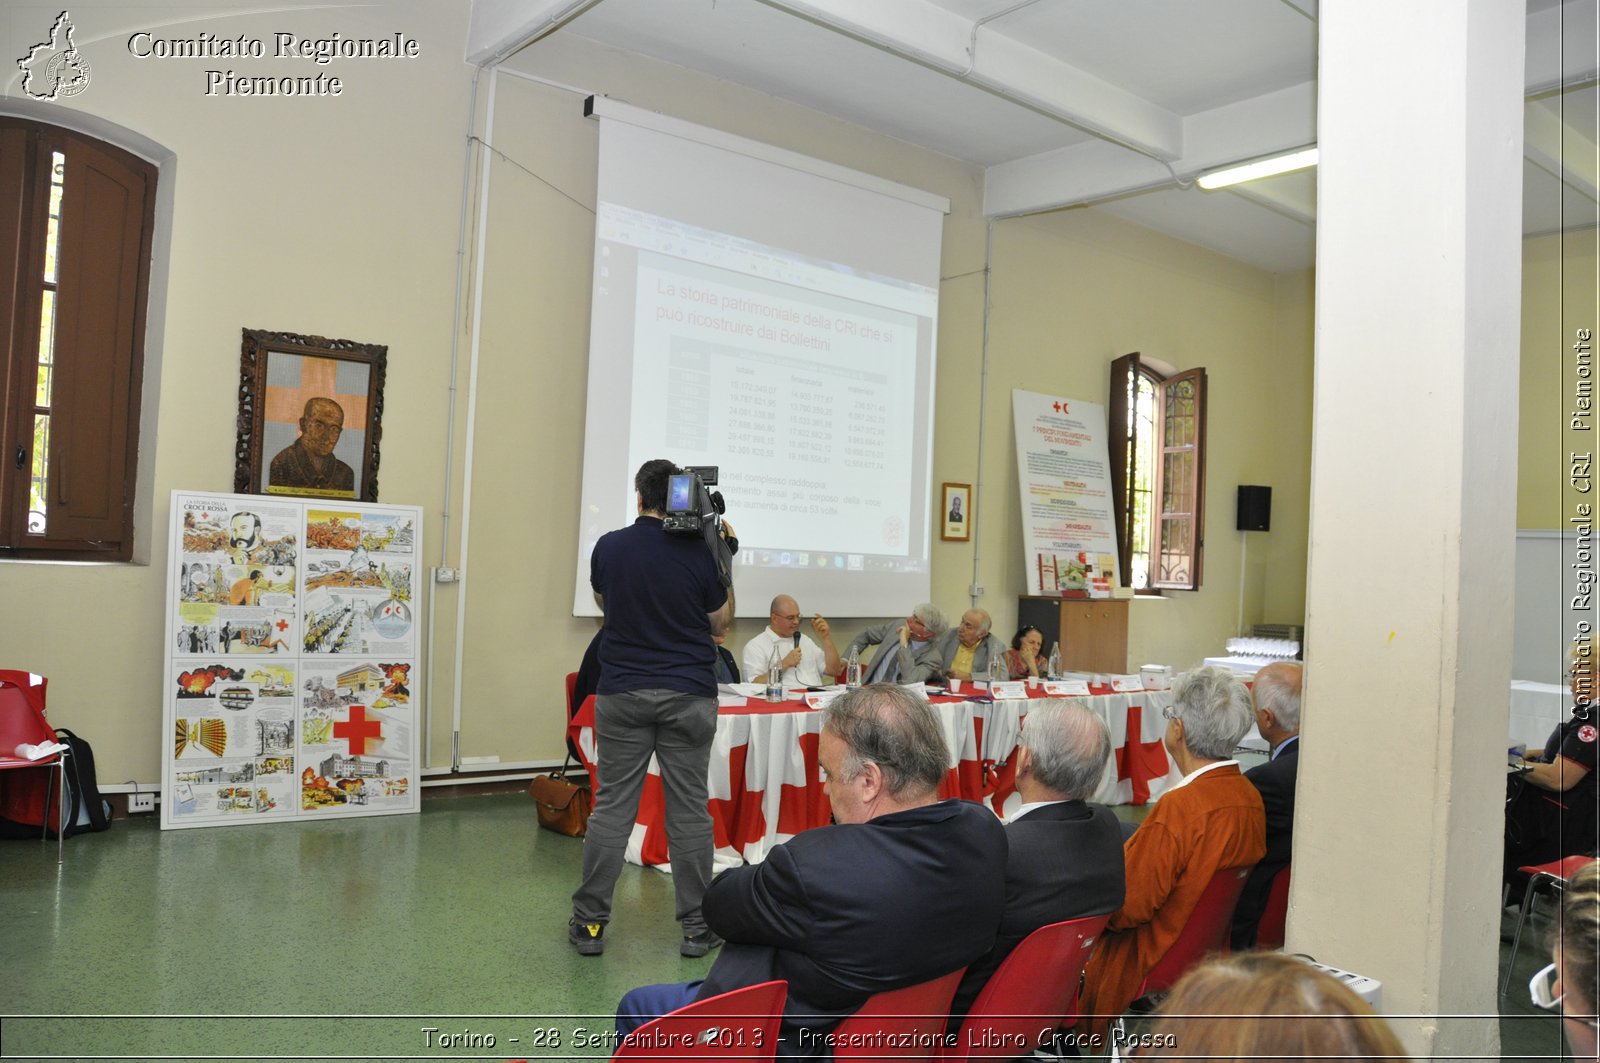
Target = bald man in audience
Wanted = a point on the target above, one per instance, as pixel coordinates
(1276, 693)
(1064, 855)
(967, 651)
(1212, 820)
(804, 663)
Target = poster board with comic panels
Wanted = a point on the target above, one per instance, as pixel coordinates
(291, 658)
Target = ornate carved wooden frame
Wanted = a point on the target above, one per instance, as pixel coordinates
(257, 356)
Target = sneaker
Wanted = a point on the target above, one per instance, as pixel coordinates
(699, 944)
(588, 938)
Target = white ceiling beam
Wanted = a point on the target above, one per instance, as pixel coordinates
(1560, 150)
(1086, 173)
(936, 37)
(1295, 200)
(496, 28)
(1560, 47)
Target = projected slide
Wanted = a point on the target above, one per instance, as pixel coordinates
(793, 352)
(791, 393)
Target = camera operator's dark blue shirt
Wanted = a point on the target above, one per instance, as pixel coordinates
(658, 590)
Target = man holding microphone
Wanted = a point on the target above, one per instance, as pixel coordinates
(804, 664)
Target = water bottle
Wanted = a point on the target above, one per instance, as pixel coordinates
(997, 671)
(852, 670)
(775, 675)
(1054, 667)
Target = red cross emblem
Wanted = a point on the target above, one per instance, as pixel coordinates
(358, 729)
(1057, 407)
(283, 625)
(1587, 733)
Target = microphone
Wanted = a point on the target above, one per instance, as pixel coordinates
(797, 640)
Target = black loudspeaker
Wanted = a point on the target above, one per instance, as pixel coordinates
(1255, 508)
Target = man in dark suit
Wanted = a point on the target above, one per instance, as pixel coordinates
(1064, 855)
(1276, 693)
(902, 889)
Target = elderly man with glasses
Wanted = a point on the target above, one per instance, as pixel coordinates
(1211, 820)
(908, 652)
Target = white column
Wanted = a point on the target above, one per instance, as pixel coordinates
(1398, 837)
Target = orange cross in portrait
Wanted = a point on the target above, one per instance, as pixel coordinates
(318, 380)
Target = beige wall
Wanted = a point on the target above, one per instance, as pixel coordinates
(1559, 282)
(325, 216)
(340, 217)
(1075, 289)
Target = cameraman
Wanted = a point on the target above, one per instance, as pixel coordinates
(657, 695)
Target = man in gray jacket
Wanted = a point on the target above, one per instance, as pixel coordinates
(910, 651)
(966, 651)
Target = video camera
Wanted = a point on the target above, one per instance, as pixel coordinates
(692, 509)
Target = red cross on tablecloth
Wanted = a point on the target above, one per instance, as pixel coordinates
(358, 729)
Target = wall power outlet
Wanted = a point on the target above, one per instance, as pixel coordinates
(141, 802)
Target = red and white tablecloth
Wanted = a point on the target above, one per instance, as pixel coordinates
(765, 785)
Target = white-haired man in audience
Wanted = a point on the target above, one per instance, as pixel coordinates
(1276, 692)
(1211, 820)
(910, 652)
(1064, 858)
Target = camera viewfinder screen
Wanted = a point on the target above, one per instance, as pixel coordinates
(678, 497)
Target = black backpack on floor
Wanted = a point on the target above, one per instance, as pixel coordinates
(86, 809)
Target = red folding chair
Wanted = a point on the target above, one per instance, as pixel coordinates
(22, 721)
(742, 1024)
(911, 1019)
(1553, 876)
(1204, 933)
(1275, 915)
(1034, 991)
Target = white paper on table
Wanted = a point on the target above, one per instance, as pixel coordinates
(1067, 688)
(744, 690)
(1011, 691)
(725, 699)
(1127, 684)
(817, 700)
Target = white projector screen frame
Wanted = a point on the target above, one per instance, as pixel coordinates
(775, 316)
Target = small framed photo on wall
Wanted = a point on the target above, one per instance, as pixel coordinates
(310, 416)
(955, 513)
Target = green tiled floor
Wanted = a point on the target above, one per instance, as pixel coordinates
(192, 941)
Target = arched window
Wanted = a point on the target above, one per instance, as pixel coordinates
(75, 273)
(1157, 426)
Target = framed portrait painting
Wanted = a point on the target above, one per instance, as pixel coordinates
(955, 513)
(310, 416)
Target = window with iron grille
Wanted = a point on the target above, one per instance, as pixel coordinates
(1157, 425)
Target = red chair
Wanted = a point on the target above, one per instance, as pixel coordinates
(1204, 933)
(21, 720)
(1554, 875)
(742, 1024)
(572, 684)
(33, 686)
(1270, 931)
(1031, 994)
(910, 1019)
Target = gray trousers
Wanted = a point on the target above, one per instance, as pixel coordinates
(678, 729)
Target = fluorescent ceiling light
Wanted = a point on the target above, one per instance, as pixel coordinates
(1251, 171)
